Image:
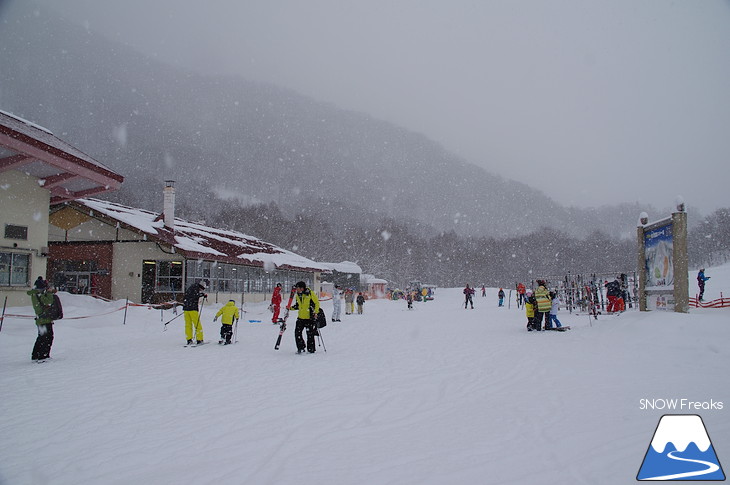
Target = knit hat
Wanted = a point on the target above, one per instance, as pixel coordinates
(41, 284)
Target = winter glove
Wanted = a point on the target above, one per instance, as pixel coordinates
(215, 319)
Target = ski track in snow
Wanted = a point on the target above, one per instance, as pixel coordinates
(430, 396)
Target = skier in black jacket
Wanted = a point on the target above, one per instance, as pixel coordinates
(191, 301)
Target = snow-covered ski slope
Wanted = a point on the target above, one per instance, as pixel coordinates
(436, 395)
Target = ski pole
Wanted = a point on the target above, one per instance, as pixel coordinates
(200, 313)
(235, 332)
(173, 318)
(3, 315)
(319, 335)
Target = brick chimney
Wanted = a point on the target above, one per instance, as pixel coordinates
(169, 204)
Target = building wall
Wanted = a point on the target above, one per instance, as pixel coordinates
(129, 260)
(24, 203)
(98, 252)
(68, 224)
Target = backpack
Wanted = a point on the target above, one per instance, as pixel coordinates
(321, 319)
(54, 311)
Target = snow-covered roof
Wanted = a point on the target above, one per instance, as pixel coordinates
(371, 279)
(344, 267)
(65, 171)
(196, 241)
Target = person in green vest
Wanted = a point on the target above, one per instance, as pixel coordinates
(41, 296)
(544, 303)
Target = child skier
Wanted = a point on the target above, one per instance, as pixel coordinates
(554, 309)
(500, 295)
(530, 310)
(228, 313)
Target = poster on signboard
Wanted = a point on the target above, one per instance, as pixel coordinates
(659, 249)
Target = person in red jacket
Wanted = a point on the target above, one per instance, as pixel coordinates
(276, 304)
(520, 294)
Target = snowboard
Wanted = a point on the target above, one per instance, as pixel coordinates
(559, 329)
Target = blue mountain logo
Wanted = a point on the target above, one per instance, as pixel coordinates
(681, 450)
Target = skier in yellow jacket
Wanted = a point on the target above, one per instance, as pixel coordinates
(228, 313)
(307, 305)
(544, 304)
(530, 310)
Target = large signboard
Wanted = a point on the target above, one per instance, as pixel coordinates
(662, 263)
(658, 256)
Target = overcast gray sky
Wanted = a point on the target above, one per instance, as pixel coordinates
(593, 102)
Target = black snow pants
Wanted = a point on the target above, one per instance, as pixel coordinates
(311, 333)
(42, 347)
(226, 332)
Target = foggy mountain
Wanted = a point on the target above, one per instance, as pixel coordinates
(230, 138)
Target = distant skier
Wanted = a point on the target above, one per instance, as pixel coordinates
(337, 303)
(613, 293)
(276, 304)
(409, 299)
(360, 302)
(484, 291)
(520, 294)
(468, 297)
(349, 302)
(500, 295)
(229, 314)
(701, 278)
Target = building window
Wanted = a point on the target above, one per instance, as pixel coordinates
(16, 232)
(235, 278)
(169, 276)
(14, 269)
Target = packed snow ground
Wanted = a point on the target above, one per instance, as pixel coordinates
(435, 395)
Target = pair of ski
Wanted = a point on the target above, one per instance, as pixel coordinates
(220, 342)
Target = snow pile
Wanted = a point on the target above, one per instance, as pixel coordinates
(434, 395)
